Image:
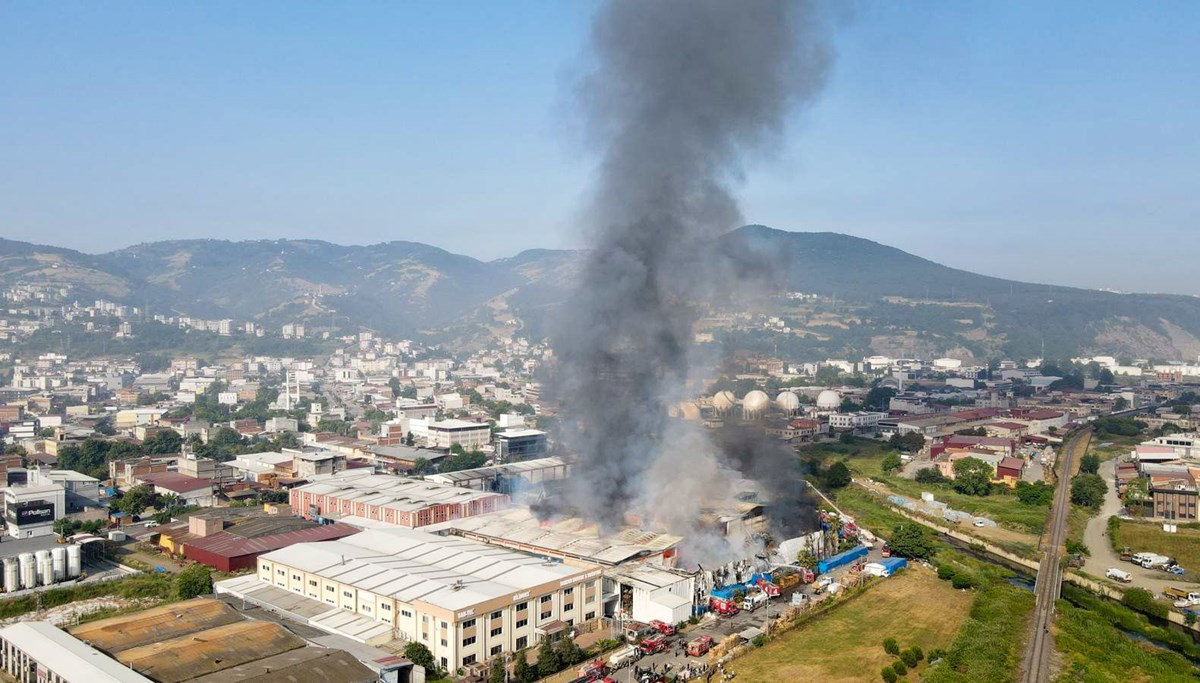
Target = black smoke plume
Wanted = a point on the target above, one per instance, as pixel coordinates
(682, 93)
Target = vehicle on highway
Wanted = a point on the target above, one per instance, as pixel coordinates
(1118, 575)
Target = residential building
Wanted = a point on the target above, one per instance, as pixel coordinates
(192, 490)
(471, 436)
(856, 420)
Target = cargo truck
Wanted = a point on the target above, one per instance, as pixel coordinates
(1118, 575)
(1182, 595)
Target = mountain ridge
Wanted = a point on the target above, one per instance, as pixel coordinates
(881, 294)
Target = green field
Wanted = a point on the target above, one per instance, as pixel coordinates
(1094, 648)
(913, 607)
(865, 456)
(1184, 545)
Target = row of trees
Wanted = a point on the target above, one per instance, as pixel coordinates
(552, 657)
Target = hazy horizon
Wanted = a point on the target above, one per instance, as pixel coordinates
(1012, 141)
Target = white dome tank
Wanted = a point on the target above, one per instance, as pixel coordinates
(755, 403)
(829, 400)
(723, 401)
(788, 401)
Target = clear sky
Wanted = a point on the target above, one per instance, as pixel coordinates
(1048, 141)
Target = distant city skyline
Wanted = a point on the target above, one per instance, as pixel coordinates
(1048, 143)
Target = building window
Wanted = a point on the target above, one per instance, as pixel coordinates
(469, 623)
(590, 599)
(589, 616)
(295, 577)
(311, 582)
(348, 594)
(444, 643)
(546, 598)
(522, 642)
(568, 591)
(385, 607)
(522, 606)
(469, 659)
(329, 589)
(468, 641)
(266, 567)
(568, 607)
(281, 572)
(522, 622)
(547, 615)
(497, 614)
(496, 631)
(495, 650)
(366, 607)
(405, 613)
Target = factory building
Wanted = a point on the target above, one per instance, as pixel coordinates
(206, 539)
(38, 652)
(467, 602)
(520, 444)
(391, 499)
(31, 510)
(507, 478)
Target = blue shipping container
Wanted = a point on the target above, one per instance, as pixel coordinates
(725, 593)
(841, 559)
(893, 564)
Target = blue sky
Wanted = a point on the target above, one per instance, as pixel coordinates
(1054, 142)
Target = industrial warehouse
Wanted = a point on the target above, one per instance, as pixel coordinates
(466, 601)
(391, 499)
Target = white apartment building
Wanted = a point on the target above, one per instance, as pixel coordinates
(856, 420)
(466, 601)
(445, 433)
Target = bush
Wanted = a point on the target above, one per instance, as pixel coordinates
(890, 646)
(962, 581)
(759, 641)
(916, 650)
(418, 654)
(1077, 547)
(936, 654)
(1038, 493)
(911, 540)
(930, 475)
(1143, 601)
(194, 581)
(899, 668)
(889, 674)
(945, 572)
(838, 475)
(890, 462)
(909, 658)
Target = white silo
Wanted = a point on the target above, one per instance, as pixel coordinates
(755, 404)
(788, 402)
(28, 570)
(74, 560)
(58, 557)
(45, 567)
(12, 574)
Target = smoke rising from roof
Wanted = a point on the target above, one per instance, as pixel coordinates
(682, 94)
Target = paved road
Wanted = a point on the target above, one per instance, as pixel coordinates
(1040, 647)
(1102, 556)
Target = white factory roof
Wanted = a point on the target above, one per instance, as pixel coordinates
(411, 565)
(517, 433)
(67, 656)
(458, 424)
(572, 537)
(390, 491)
(20, 491)
(492, 470)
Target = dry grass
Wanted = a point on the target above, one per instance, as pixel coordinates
(1184, 545)
(913, 607)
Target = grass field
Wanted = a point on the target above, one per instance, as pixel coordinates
(865, 457)
(913, 607)
(1184, 545)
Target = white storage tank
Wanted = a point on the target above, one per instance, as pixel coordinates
(58, 556)
(12, 574)
(74, 560)
(28, 570)
(45, 569)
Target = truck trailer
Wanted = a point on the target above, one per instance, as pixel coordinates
(841, 559)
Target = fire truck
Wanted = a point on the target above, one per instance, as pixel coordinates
(654, 644)
(722, 606)
(663, 627)
(700, 646)
(594, 670)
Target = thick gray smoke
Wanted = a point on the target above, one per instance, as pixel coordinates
(682, 93)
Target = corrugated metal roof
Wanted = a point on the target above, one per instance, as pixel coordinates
(186, 657)
(116, 634)
(306, 665)
(67, 656)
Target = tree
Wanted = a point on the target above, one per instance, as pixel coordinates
(1106, 377)
(878, 398)
(930, 475)
(838, 475)
(1087, 490)
(194, 581)
(409, 439)
(137, 499)
(899, 668)
(496, 671)
(522, 672)
(547, 662)
(1120, 404)
(890, 462)
(1038, 493)
(973, 477)
(1089, 464)
(890, 646)
(889, 675)
(910, 540)
(568, 652)
(909, 442)
(420, 655)
(163, 441)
